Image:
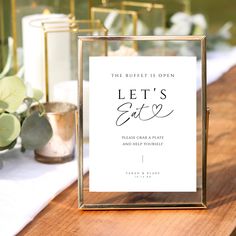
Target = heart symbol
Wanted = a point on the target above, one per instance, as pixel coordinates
(156, 109)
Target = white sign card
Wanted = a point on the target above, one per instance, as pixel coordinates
(142, 124)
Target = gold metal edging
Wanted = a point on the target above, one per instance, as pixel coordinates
(80, 128)
(14, 34)
(142, 4)
(187, 6)
(149, 7)
(107, 10)
(205, 113)
(72, 7)
(163, 206)
(46, 79)
(142, 38)
(133, 14)
(204, 121)
(75, 31)
(59, 29)
(2, 35)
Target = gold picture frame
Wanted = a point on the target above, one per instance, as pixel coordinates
(146, 200)
(135, 10)
(122, 14)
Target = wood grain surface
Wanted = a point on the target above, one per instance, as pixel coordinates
(61, 216)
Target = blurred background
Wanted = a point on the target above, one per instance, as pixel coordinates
(216, 12)
(216, 19)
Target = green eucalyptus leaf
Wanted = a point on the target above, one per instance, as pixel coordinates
(36, 131)
(9, 129)
(37, 94)
(10, 146)
(12, 93)
(3, 105)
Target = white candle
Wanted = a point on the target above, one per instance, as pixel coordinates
(33, 48)
(22, 11)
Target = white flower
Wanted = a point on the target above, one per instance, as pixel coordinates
(123, 51)
(110, 19)
(183, 23)
(182, 28)
(22, 108)
(142, 28)
(184, 50)
(200, 21)
(159, 31)
(224, 30)
(180, 17)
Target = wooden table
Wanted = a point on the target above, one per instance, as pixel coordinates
(61, 216)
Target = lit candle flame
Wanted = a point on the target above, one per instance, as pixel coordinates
(46, 11)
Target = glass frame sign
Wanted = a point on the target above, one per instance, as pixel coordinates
(145, 133)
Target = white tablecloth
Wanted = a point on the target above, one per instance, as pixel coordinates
(218, 63)
(27, 186)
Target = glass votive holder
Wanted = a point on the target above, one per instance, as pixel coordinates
(61, 146)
